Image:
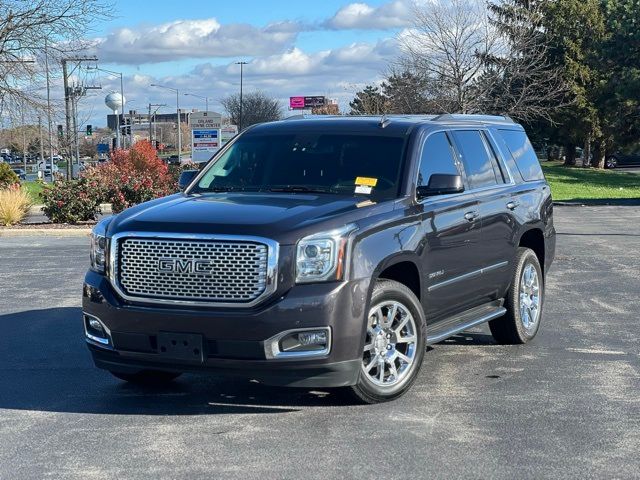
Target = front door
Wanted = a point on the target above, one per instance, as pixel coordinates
(451, 230)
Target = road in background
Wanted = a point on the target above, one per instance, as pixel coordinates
(566, 405)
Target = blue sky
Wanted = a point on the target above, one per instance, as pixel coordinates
(327, 47)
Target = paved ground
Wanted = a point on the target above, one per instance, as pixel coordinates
(566, 405)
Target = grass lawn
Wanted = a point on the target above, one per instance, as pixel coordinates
(590, 184)
(34, 189)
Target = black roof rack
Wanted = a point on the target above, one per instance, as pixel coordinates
(452, 117)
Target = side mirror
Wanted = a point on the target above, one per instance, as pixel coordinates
(186, 178)
(441, 184)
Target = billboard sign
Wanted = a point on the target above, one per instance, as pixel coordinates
(205, 135)
(301, 103)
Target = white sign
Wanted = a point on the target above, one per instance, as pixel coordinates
(227, 133)
(205, 135)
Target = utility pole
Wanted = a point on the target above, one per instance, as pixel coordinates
(69, 96)
(242, 64)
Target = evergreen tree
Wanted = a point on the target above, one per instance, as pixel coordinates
(369, 101)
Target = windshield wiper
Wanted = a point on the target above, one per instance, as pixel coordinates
(229, 188)
(299, 188)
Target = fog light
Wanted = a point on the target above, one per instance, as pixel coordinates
(312, 338)
(306, 341)
(95, 330)
(94, 324)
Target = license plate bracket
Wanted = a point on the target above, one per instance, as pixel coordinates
(181, 346)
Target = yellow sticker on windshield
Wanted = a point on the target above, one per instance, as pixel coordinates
(368, 181)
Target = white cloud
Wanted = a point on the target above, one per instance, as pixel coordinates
(205, 38)
(336, 73)
(362, 16)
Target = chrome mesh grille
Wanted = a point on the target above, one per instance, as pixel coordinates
(215, 271)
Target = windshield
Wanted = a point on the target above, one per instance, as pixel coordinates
(308, 162)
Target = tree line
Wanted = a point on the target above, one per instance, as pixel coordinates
(569, 70)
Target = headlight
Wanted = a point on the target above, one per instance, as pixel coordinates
(98, 253)
(321, 257)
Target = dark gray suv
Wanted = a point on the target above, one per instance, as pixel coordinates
(327, 252)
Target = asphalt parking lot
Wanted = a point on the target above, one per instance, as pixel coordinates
(566, 405)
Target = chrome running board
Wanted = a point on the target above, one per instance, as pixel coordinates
(450, 326)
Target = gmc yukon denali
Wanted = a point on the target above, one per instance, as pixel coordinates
(326, 252)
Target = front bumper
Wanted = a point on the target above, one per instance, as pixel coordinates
(234, 339)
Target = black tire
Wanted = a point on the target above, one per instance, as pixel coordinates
(388, 290)
(511, 329)
(147, 377)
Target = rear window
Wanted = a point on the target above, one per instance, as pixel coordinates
(523, 154)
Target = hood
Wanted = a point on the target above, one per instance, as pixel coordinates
(282, 217)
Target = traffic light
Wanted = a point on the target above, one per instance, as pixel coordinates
(60, 131)
(89, 130)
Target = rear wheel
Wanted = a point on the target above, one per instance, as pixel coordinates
(523, 303)
(147, 377)
(611, 162)
(394, 343)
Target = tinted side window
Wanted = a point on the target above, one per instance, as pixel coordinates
(523, 154)
(437, 157)
(477, 162)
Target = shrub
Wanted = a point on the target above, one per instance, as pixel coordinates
(7, 176)
(72, 201)
(14, 205)
(132, 176)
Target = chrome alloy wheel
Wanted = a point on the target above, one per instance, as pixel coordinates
(390, 345)
(529, 297)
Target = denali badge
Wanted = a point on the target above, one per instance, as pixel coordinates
(196, 266)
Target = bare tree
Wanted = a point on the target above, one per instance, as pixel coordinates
(476, 59)
(446, 46)
(257, 107)
(28, 30)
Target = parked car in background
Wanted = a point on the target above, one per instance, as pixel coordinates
(623, 160)
(22, 175)
(173, 160)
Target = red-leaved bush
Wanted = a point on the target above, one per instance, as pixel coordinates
(132, 176)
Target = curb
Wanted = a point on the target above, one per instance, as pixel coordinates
(622, 202)
(37, 209)
(44, 232)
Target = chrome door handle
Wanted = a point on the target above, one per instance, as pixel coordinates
(512, 205)
(471, 216)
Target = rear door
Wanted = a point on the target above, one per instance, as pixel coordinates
(451, 228)
(490, 182)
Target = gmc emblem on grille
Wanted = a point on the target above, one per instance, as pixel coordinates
(196, 266)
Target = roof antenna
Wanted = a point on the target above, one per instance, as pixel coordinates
(384, 121)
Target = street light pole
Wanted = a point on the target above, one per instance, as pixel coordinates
(242, 64)
(206, 99)
(46, 66)
(178, 112)
(118, 133)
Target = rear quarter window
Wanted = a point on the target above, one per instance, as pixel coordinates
(523, 154)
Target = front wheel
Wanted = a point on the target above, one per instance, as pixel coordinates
(611, 162)
(523, 303)
(394, 343)
(147, 377)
